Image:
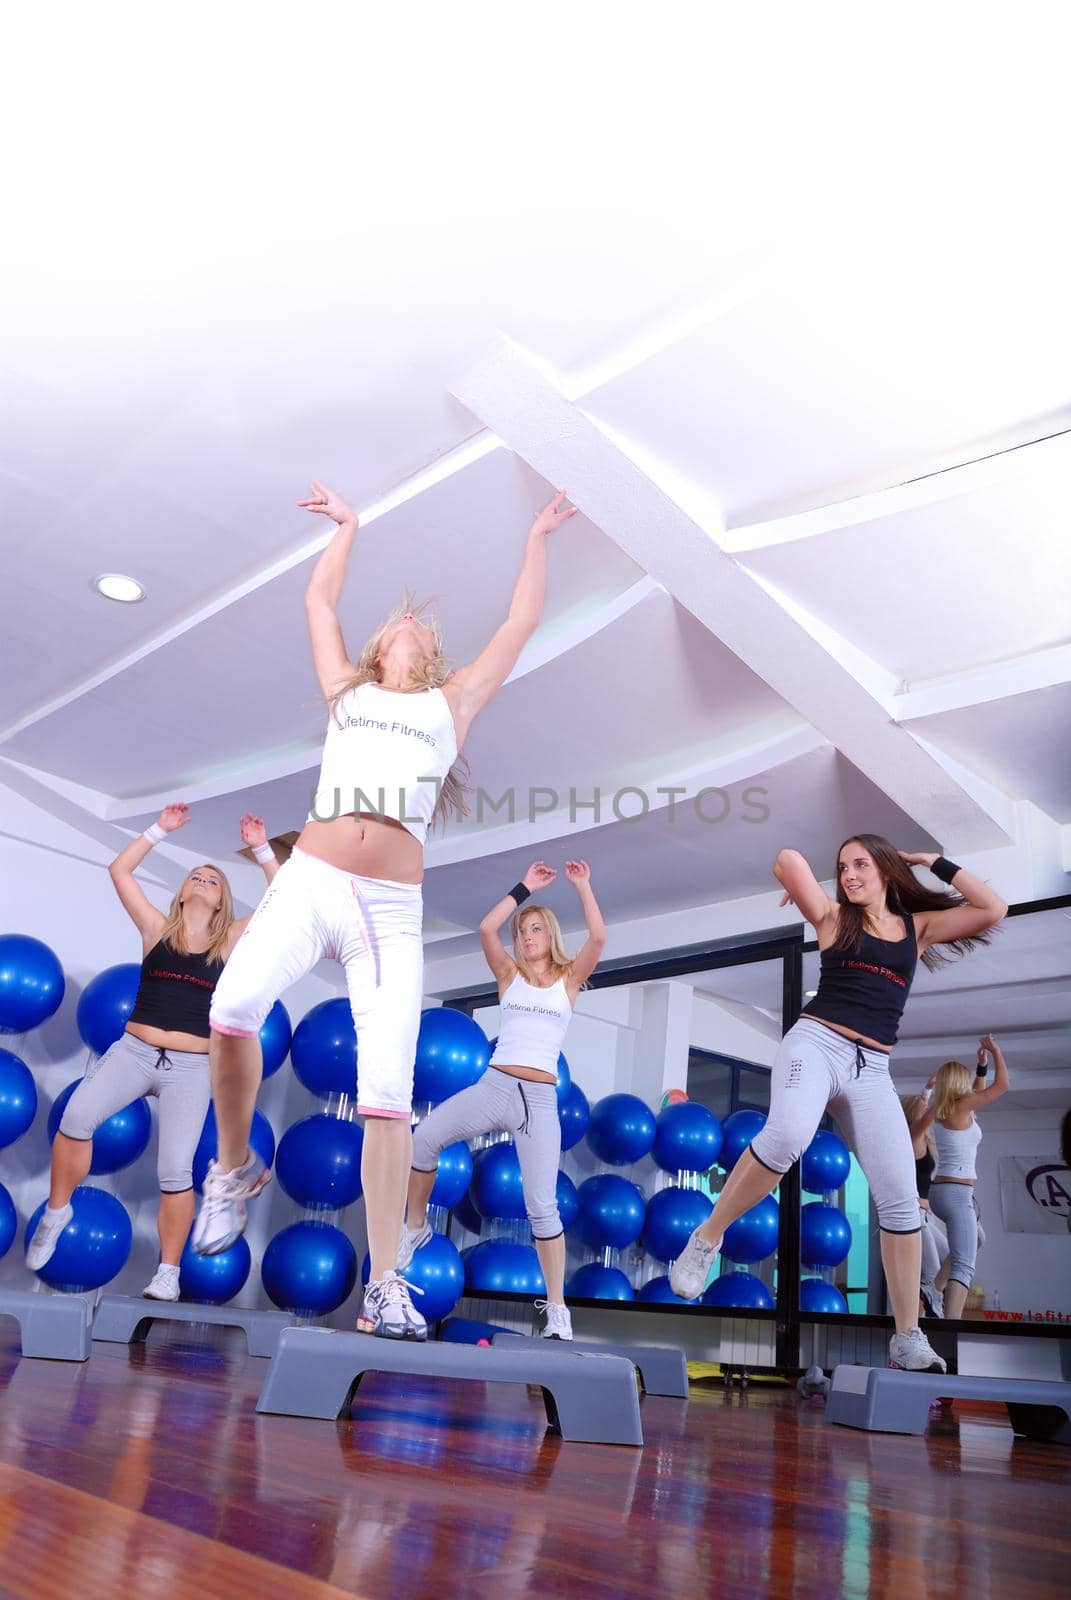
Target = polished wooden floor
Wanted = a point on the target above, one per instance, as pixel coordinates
(146, 1475)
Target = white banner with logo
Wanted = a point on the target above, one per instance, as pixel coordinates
(1035, 1196)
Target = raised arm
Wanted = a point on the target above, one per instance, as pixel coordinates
(590, 953)
(255, 836)
(979, 1095)
(324, 591)
(924, 1121)
(138, 907)
(501, 963)
(470, 687)
(984, 908)
(802, 888)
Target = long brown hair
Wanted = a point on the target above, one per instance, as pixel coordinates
(903, 895)
(174, 929)
(431, 674)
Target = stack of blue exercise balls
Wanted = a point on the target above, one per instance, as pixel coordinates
(825, 1232)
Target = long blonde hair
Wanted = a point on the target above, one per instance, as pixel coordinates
(174, 929)
(561, 962)
(914, 1105)
(954, 1080)
(432, 673)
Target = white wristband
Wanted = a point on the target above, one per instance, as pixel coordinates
(264, 854)
(155, 833)
(925, 1095)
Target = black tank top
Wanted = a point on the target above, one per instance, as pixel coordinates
(866, 991)
(923, 1168)
(175, 991)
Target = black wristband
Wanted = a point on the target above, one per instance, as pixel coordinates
(944, 869)
(520, 893)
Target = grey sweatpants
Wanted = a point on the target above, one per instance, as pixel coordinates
(501, 1103)
(132, 1069)
(817, 1070)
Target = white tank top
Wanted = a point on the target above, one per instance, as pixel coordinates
(532, 1024)
(956, 1148)
(388, 753)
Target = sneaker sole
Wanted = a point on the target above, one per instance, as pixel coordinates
(167, 1299)
(365, 1325)
(933, 1367)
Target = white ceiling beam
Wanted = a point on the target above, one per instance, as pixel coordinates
(524, 409)
(999, 680)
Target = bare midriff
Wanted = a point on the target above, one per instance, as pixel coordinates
(164, 1039)
(529, 1074)
(849, 1033)
(968, 1181)
(369, 846)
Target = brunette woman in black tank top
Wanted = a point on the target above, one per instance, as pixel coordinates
(163, 1051)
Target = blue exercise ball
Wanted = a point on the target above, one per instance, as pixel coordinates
(574, 1114)
(496, 1190)
(753, 1236)
(466, 1213)
(309, 1268)
(323, 1050)
(501, 1267)
(18, 1097)
(737, 1133)
(452, 1053)
(9, 1221)
(318, 1162)
(658, 1291)
(93, 1246)
(596, 1282)
(673, 1214)
(213, 1280)
(826, 1163)
(568, 1197)
(31, 982)
(275, 1038)
(741, 1289)
(118, 1141)
(438, 1271)
(261, 1138)
(105, 1004)
(453, 1176)
(564, 1077)
(466, 1330)
(817, 1295)
(688, 1138)
(611, 1211)
(621, 1129)
(825, 1235)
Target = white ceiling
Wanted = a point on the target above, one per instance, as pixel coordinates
(827, 341)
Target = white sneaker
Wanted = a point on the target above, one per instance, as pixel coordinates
(689, 1273)
(388, 1311)
(222, 1217)
(411, 1241)
(164, 1285)
(912, 1352)
(46, 1236)
(559, 1322)
(933, 1300)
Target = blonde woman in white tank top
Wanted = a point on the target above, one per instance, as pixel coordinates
(351, 889)
(537, 989)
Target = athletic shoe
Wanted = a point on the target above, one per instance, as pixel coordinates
(933, 1300)
(388, 1312)
(46, 1236)
(689, 1273)
(411, 1241)
(222, 1217)
(911, 1352)
(164, 1286)
(559, 1322)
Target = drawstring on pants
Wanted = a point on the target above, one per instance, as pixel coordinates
(162, 1058)
(860, 1058)
(525, 1125)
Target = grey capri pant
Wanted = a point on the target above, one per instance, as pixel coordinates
(816, 1070)
(954, 1204)
(132, 1069)
(501, 1103)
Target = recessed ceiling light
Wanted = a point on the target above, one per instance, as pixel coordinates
(809, 994)
(115, 586)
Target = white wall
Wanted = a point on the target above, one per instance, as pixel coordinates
(1029, 1271)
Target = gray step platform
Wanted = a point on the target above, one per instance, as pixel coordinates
(316, 1370)
(884, 1400)
(55, 1326)
(122, 1319)
(661, 1371)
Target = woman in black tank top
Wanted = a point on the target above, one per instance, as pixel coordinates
(164, 1049)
